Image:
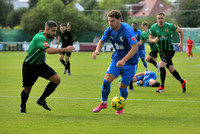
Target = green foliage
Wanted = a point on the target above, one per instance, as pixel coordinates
(6, 7)
(114, 4)
(57, 11)
(32, 3)
(130, 1)
(89, 4)
(188, 14)
(14, 17)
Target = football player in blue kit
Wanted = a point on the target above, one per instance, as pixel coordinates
(124, 59)
(146, 79)
(141, 48)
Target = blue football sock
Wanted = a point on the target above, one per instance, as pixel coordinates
(123, 93)
(145, 64)
(105, 91)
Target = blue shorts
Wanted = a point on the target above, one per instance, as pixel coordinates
(127, 72)
(141, 53)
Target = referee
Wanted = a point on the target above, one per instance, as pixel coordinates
(34, 65)
(65, 35)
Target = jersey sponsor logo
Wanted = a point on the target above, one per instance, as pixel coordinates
(45, 44)
(118, 47)
(133, 38)
(163, 38)
(166, 30)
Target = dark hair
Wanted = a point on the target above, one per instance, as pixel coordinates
(145, 23)
(134, 23)
(161, 14)
(50, 24)
(115, 13)
(156, 84)
(63, 25)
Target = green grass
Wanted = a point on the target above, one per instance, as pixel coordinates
(146, 112)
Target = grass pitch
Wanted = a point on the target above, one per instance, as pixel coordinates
(146, 112)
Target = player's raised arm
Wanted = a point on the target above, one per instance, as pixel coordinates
(68, 27)
(98, 49)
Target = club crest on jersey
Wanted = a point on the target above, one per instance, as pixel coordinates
(121, 38)
(133, 38)
(45, 44)
(166, 30)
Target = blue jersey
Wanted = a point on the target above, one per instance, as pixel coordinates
(138, 33)
(121, 41)
(145, 78)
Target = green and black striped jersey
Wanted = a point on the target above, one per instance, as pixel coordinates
(164, 34)
(36, 52)
(145, 36)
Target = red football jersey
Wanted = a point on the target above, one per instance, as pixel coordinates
(189, 43)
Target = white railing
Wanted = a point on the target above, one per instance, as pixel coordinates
(77, 45)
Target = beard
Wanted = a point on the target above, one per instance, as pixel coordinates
(161, 23)
(50, 36)
(113, 27)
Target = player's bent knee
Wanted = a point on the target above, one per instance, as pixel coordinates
(123, 86)
(27, 89)
(109, 77)
(55, 79)
(143, 60)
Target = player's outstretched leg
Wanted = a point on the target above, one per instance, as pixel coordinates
(63, 62)
(105, 91)
(178, 77)
(183, 85)
(43, 104)
(131, 88)
(50, 88)
(162, 77)
(24, 98)
(124, 94)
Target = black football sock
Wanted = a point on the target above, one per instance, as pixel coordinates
(131, 85)
(177, 76)
(24, 98)
(153, 62)
(63, 62)
(48, 90)
(68, 66)
(162, 76)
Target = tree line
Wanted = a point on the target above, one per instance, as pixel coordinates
(92, 19)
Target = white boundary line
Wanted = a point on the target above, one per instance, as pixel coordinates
(79, 98)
